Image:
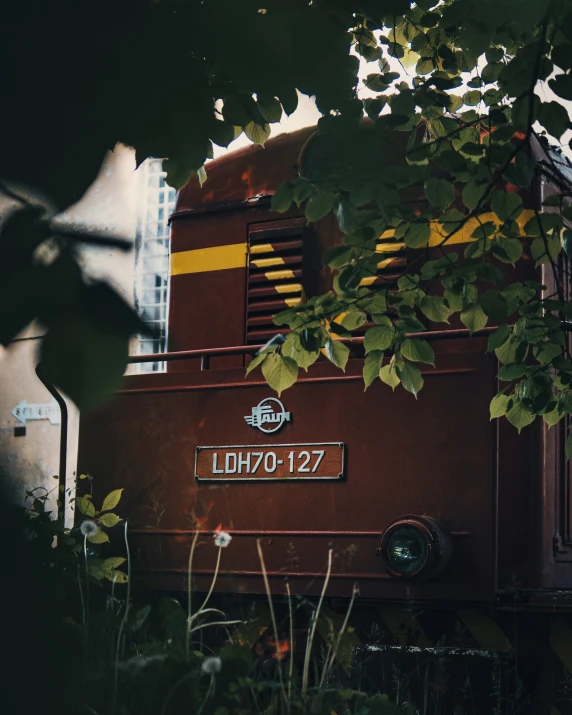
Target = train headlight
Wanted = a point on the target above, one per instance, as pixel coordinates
(415, 547)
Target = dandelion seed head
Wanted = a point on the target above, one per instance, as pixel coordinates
(222, 539)
(89, 528)
(211, 665)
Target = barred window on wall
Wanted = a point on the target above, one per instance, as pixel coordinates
(156, 203)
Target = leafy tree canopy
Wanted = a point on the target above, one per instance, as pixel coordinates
(460, 87)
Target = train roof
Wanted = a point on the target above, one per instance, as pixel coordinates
(254, 171)
(248, 173)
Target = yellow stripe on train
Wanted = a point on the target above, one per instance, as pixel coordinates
(463, 235)
(216, 258)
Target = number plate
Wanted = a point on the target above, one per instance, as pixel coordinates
(279, 462)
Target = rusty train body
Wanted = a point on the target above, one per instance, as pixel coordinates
(487, 512)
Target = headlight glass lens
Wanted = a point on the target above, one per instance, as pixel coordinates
(406, 550)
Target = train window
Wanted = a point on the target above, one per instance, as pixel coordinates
(275, 275)
(156, 203)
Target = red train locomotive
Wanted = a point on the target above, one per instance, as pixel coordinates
(454, 509)
(485, 511)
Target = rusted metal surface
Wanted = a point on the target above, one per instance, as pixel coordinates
(151, 438)
(260, 172)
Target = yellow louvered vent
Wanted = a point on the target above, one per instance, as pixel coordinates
(392, 262)
(391, 265)
(274, 277)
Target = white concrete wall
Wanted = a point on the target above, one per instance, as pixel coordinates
(31, 460)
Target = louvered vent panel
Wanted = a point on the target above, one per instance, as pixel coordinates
(275, 278)
(392, 262)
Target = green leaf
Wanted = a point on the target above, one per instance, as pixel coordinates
(375, 82)
(302, 190)
(519, 415)
(289, 99)
(565, 401)
(418, 351)
(337, 256)
(354, 320)
(86, 358)
(256, 133)
(506, 353)
(507, 250)
(293, 348)
(473, 194)
(85, 506)
(521, 112)
(111, 500)
(546, 352)
(337, 352)
(403, 104)
(474, 318)
(372, 366)
(511, 372)
(554, 118)
(491, 72)
(109, 519)
(282, 198)
(95, 569)
(545, 249)
(100, 537)
(418, 234)
(522, 170)
(279, 372)
(380, 336)
(113, 562)
(494, 305)
(499, 405)
(388, 374)
(569, 445)
(562, 84)
(435, 308)
(201, 175)
(255, 362)
(270, 109)
(553, 417)
(236, 108)
(561, 56)
(506, 204)
(223, 133)
(472, 98)
(439, 192)
(116, 576)
(410, 376)
(319, 204)
(498, 338)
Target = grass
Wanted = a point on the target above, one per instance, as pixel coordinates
(120, 651)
